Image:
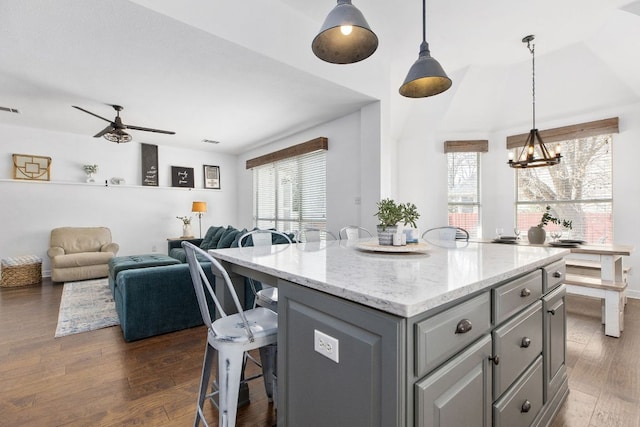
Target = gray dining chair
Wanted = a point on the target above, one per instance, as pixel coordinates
(232, 336)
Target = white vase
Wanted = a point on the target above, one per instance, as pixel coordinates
(90, 177)
(186, 230)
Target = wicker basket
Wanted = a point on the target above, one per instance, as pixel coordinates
(21, 271)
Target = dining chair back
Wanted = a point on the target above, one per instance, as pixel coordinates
(447, 236)
(353, 232)
(312, 234)
(231, 336)
(266, 296)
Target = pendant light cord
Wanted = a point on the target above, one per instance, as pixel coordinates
(532, 49)
(424, 21)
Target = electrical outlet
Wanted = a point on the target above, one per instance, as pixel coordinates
(326, 345)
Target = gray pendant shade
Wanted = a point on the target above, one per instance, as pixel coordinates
(426, 76)
(332, 46)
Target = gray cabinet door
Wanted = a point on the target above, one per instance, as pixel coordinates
(362, 386)
(555, 343)
(459, 392)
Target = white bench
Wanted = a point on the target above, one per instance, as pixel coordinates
(586, 277)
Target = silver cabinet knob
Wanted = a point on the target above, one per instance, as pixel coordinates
(526, 406)
(525, 343)
(557, 274)
(525, 292)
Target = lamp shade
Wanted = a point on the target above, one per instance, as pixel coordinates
(345, 36)
(426, 76)
(199, 207)
(118, 136)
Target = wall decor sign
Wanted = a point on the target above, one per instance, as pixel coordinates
(149, 156)
(181, 177)
(30, 167)
(212, 177)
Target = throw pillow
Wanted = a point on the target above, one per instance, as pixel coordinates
(215, 239)
(227, 238)
(235, 242)
(208, 238)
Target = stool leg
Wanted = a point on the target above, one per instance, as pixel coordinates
(230, 361)
(268, 362)
(207, 364)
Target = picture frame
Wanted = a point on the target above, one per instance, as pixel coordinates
(211, 177)
(32, 168)
(182, 177)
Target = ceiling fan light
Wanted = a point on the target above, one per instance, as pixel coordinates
(426, 77)
(118, 136)
(334, 46)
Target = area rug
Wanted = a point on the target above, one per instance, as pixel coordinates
(86, 306)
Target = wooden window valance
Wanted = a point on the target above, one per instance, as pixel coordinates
(582, 130)
(467, 146)
(320, 143)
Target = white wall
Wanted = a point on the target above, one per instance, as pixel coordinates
(422, 177)
(140, 218)
(353, 172)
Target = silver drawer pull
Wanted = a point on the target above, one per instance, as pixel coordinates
(464, 326)
(526, 406)
(495, 359)
(525, 343)
(525, 292)
(557, 274)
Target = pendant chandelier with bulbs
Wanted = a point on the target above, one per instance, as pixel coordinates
(527, 157)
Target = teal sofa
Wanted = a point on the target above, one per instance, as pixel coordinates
(154, 293)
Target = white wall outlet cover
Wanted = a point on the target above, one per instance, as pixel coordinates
(326, 345)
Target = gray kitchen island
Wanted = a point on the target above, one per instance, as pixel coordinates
(465, 336)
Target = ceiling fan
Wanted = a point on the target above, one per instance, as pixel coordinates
(115, 131)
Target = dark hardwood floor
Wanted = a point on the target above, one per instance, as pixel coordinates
(97, 379)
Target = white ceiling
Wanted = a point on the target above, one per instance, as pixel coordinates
(242, 72)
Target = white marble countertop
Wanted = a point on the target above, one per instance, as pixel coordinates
(404, 284)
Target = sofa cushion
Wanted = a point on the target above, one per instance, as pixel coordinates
(81, 259)
(212, 237)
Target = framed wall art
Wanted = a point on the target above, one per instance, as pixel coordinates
(30, 167)
(149, 155)
(181, 177)
(212, 177)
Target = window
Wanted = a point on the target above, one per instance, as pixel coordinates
(579, 189)
(290, 194)
(463, 184)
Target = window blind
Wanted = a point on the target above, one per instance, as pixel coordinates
(290, 194)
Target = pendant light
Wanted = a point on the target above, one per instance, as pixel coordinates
(527, 157)
(345, 36)
(426, 76)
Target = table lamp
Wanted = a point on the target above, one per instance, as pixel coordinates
(199, 208)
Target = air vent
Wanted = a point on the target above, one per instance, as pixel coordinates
(10, 110)
(211, 141)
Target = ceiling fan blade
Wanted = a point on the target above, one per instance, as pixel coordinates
(168, 132)
(93, 114)
(103, 131)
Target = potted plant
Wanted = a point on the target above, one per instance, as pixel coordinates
(537, 233)
(409, 217)
(90, 170)
(390, 214)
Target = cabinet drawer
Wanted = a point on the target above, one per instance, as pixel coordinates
(553, 275)
(512, 297)
(518, 342)
(441, 336)
(520, 405)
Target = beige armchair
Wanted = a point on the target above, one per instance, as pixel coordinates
(80, 253)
